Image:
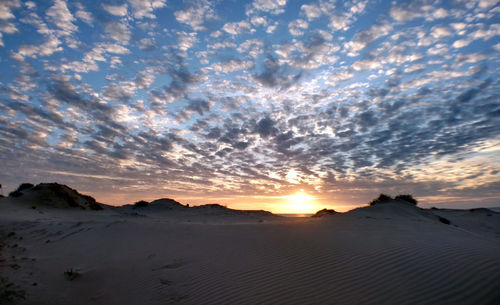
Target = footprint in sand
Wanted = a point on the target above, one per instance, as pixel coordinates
(174, 265)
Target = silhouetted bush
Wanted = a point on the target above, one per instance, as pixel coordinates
(141, 204)
(19, 191)
(25, 186)
(72, 274)
(444, 220)
(15, 194)
(381, 198)
(324, 212)
(407, 197)
(93, 205)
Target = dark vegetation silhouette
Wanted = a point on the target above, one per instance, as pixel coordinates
(10, 293)
(406, 197)
(324, 212)
(141, 204)
(49, 191)
(19, 191)
(444, 220)
(72, 274)
(383, 198)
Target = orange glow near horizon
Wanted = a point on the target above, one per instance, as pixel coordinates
(299, 203)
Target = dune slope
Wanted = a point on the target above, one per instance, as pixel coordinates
(363, 257)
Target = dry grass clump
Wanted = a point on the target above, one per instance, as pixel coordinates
(383, 198)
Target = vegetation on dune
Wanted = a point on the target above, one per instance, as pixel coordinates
(49, 192)
(19, 191)
(324, 212)
(141, 204)
(383, 198)
(9, 292)
(444, 220)
(406, 197)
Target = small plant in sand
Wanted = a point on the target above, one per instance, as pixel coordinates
(10, 293)
(72, 274)
(380, 199)
(444, 220)
(407, 197)
(141, 204)
(19, 191)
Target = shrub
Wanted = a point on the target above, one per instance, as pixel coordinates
(72, 274)
(19, 191)
(324, 212)
(10, 293)
(141, 204)
(25, 186)
(444, 220)
(407, 197)
(381, 198)
(15, 194)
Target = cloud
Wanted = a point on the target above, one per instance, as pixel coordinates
(461, 43)
(64, 91)
(404, 15)
(363, 38)
(232, 65)
(311, 11)
(316, 51)
(439, 31)
(196, 13)
(236, 28)
(487, 3)
(258, 21)
(121, 92)
(251, 47)
(60, 15)
(276, 75)
(50, 46)
(270, 6)
(147, 44)
(199, 106)
(83, 14)
(297, 27)
(118, 31)
(6, 7)
(144, 8)
(265, 127)
(186, 40)
(6, 14)
(322, 96)
(117, 10)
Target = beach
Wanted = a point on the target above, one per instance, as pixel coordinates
(386, 254)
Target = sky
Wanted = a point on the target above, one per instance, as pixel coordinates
(249, 103)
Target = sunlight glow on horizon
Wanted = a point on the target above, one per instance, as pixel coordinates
(279, 105)
(299, 203)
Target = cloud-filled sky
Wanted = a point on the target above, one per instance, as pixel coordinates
(245, 102)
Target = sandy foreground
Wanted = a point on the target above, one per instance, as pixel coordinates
(388, 254)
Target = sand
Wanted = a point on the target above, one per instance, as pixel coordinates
(385, 254)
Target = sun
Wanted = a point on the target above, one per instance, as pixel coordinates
(300, 202)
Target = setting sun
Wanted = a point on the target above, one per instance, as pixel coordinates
(300, 202)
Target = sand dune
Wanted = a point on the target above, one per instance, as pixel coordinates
(384, 254)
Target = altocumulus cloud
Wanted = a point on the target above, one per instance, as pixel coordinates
(341, 99)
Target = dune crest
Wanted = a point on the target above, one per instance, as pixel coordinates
(53, 195)
(165, 252)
